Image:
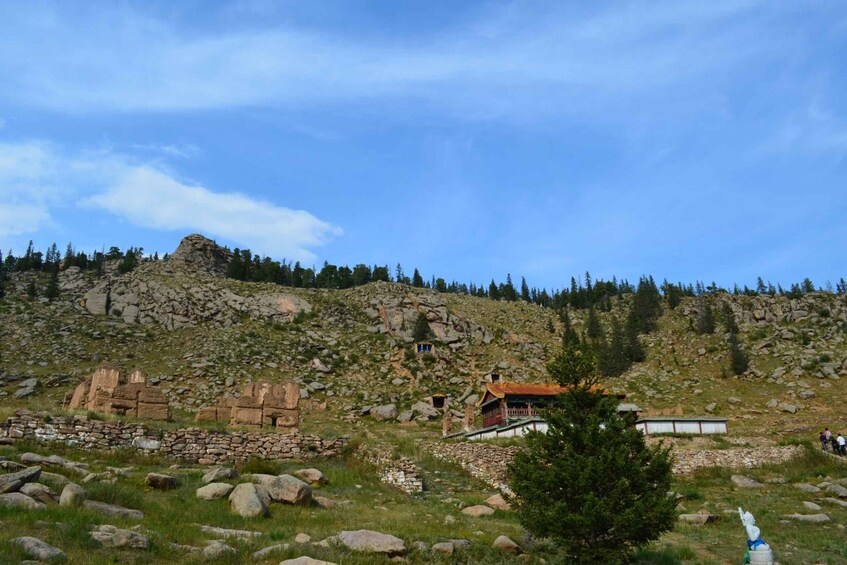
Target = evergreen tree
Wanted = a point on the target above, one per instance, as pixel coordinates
(2, 277)
(593, 327)
(52, 290)
(421, 331)
(129, 261)
(591, 483)
(508, 291)
(728, 318)
(569, 335)
(525, 291)
(550, 327)
(440, 285)
(31, 290)
(380, 274)
(738, 359)
(417, 280)
(705, 317)
(493, 291)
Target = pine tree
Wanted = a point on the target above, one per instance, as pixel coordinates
(417, 280)
(593, 327)
(421, 331)
(569, 335)
(508, 291)
(634, 350)
(591, 483)
(728, 318)
(738, 359)
(31, 290)
(705, 317)
(52, 290)
(525, 296)
(493, 291)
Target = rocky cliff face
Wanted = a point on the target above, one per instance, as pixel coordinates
(187, 290)
(199, 254)
(394, 308)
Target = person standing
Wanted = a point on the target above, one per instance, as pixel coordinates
(824, 442)
(842, 444)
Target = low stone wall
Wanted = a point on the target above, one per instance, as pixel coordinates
(489, 462)
(192, 445)
(399, 472)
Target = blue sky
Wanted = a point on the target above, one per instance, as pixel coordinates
(688, 140)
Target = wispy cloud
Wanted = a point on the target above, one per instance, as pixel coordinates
(36, 178)
(506, 63)
(153, 199)
(177, 150)
(816, 130)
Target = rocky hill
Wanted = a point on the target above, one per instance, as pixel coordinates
(199, 335)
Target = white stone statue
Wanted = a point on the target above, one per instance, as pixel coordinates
(758, 551)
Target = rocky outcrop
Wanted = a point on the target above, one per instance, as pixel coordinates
(394, 309)
(199, 254)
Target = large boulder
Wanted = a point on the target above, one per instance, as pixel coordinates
(11, 482)
(199, 254)
(305, 561)
(246, 500)
(214, 491)
(220, 474)
(161, 482)
(371, 542)
(113, 510)
(287, 489)
(497, 502)
(72, 495)
(18, 500)
(506, 545)
(478, 510)
(38, 492)
(312, 476)
(38, 549)
(384, 412)
(110, 536)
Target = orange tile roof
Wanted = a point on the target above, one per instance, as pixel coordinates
(500, 390)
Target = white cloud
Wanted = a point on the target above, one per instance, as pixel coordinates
(816, 130)
(550, 61)
(37, 177)
(150, 198)
(178, 150)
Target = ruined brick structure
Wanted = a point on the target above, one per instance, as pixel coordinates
(109, 392)
(261, 405)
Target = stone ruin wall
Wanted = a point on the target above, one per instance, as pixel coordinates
(261, 405)
(190, 445)
(107, 391)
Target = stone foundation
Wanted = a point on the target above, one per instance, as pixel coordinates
(399, 472)
(190, 445)
(107, 391)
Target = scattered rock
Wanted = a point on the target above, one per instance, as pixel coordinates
(113, 510)
(11, 482)
(220, 474)
(814, 518)
(506, 545)
(384, 412)
(841, 503)
(477, 511)
(287, 489)
(497, 502)
(18, 500)
(214, 491)
(745, 482)
(38, 549)
(312, 476)
(302, 538)
(697, 519)
(246, 500)
(110, 536)
(225, 533)
(72, 495)
(266, 552)
(805, 487)
(217, 550)
(305, 561)
(38, 492)
(837, 490)
(790, 408)
(444, 547)
(160, 481)
(372, 542)
(811, 506)
(325, 502)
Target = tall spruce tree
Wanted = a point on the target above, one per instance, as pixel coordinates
(417, 279)
(705, 323)
(52, 290)
(591, 484)
(739, 362)
(421, 331)
(593, 326)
